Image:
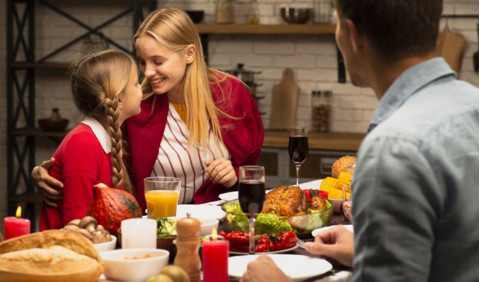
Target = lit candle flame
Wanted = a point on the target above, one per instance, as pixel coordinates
(214, 234)
(19, 211)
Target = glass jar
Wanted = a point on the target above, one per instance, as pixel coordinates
(224, 12)
(254, 13)
(321, 110)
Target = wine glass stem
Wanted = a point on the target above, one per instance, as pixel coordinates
(297, 168)
(251, 244)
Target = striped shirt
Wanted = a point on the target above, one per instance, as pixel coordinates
(176, 158)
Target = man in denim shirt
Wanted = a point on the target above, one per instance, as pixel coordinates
(415, 189)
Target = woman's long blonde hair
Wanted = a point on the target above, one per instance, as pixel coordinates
(96, 81)
(174, 29)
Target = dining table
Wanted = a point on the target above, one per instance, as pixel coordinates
(338, 272)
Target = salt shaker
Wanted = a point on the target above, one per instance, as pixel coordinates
(188, 243)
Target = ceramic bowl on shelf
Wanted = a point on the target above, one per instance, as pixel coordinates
(133, 264)
(49, 125)
(296, 15)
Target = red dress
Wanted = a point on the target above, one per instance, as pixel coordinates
(80, 163)
(243, 137)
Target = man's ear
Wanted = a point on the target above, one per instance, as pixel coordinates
(190, 52)
(356, 37)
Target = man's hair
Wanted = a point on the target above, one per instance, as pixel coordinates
(395, 28)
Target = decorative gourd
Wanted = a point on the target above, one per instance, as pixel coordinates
(110, 206)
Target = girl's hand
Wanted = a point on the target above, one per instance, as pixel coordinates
(46, 184)
(221, 171)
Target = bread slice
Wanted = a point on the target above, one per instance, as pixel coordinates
(54, 255)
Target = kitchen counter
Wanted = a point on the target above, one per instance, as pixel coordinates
(336, 141)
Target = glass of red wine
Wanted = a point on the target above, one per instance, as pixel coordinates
(298, 146)
(251, 195)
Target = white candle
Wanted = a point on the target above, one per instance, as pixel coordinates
(139, 233)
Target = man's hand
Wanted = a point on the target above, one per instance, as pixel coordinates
(264, 269)
(46, 184)
(221, 171)
(335, 243)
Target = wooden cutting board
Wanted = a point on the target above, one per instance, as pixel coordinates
(284, 102)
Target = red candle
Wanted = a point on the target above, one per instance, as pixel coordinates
(16, 226)
(215, 258)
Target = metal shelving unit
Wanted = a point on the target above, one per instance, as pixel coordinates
(21, 68)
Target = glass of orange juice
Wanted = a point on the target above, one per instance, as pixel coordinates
(161, 195)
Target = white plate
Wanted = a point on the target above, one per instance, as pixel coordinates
(289, 264)
(200, 211)
(315, 184)
(229, 196)
(319, 230)
(272, 252)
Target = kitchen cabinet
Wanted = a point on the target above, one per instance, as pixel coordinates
(324, 150)
(22, 65)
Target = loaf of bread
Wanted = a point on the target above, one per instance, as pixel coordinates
(342, 164)
(54, 255)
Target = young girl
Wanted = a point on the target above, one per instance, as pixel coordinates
(106, 90)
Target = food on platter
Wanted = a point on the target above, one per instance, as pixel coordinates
(334, 186)
(342, 165)
(89, 227)
(286, 209)
(263, 242)
(110, 206)
(53, 255)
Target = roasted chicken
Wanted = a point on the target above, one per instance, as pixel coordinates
(291, 200)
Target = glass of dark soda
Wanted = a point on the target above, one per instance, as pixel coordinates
(298, 146)
(251, 195)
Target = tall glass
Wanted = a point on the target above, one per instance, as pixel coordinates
(161, 195)
(298, 146)
(251, 195)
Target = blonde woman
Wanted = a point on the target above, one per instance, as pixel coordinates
(106, 90)
(197, 123)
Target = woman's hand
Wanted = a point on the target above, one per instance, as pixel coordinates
(264, 269)
(46, 184)
(221, 171)
(335, 243)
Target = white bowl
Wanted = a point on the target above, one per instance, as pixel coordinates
(207, 225)
(131, 264)
(106, 246)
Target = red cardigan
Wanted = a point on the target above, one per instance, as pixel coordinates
(243, 137)
(80, 163)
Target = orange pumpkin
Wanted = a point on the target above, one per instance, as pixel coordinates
(110, 206)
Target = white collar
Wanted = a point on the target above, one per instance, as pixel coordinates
(99, 132)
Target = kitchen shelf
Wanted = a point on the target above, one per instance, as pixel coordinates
(294, 29)
(335, 141)
(270, 29)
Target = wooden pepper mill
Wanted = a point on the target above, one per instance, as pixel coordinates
(188, 243)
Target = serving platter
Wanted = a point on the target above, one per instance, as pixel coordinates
(289, 264)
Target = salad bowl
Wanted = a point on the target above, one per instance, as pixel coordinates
(302, 225)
